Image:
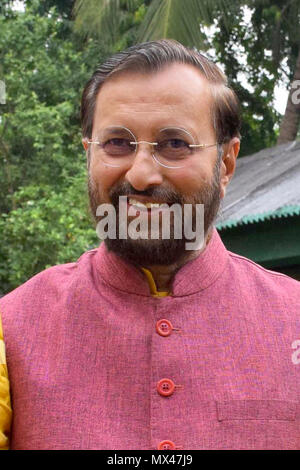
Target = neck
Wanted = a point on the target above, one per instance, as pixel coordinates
(164, 274)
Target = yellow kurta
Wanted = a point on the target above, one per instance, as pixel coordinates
(5, 406)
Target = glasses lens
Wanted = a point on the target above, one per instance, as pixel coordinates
(117, 145)
(173, 146)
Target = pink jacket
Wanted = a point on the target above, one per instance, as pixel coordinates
(93, 366)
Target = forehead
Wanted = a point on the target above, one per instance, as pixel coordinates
(178, 95)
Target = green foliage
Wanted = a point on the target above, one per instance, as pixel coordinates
(116, 22)
(47, 228)
(39, 135)
(170, 19)
(231, 41)
(63, 7)
(44, 218)
(270, 48)
(275, 26)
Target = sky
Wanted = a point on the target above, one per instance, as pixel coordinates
(280, 92)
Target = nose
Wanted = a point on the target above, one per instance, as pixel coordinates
(144, 170)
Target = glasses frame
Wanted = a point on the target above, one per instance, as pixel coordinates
(153, 144)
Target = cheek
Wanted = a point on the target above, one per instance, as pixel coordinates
(104, 177)
(190, 179)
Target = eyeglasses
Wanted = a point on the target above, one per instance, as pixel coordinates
(117, 146)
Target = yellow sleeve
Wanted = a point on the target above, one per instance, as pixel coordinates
(5, 406)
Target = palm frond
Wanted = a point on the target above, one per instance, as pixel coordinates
(180, 20)
(97, 18)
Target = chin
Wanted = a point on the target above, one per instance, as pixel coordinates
(148, 252)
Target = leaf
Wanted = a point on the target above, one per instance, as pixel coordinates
(174, 19)
(98, 18)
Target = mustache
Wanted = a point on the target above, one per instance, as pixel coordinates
(166, 195)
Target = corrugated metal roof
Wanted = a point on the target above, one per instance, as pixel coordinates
(265, 185)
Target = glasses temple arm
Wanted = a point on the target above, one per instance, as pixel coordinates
(203, 145)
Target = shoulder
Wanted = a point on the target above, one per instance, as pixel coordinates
(52, 283)
(264, 281)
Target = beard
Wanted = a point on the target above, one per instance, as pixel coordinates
(147, 252)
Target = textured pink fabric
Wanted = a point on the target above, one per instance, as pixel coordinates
(84, 356)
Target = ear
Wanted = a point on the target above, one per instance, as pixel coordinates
(85, 143)
(230, 153)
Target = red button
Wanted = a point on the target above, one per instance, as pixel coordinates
(165, 387)
(166, 445)
(164, 327)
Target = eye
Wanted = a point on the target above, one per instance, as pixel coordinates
(174, 144)
(117, 142)
(118, 146)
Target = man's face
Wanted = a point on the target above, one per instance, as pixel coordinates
(178, 96)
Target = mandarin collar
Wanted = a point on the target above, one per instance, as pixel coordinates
(192, 277)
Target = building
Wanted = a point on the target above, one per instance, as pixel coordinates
(260, 216)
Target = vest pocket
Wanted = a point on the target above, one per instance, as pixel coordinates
(278, 410)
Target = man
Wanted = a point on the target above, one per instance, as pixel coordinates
(143, 343)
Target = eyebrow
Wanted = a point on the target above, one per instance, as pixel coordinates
(169, 130)
(112, 130)
(115, 130)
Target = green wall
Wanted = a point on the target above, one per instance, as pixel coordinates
(275, 243)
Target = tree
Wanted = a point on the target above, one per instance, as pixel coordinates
(152, 19)
(46, 228)
(43, 204)
(240, 49)
(115, 22)
(291, 119)
(63, 7)
(40, 137)
(275, 29)
(173, 19)
(287, 42)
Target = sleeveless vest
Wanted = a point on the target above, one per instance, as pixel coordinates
(96, 362)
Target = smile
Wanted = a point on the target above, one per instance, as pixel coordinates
(147, 205)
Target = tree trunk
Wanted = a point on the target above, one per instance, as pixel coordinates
(291, 119)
